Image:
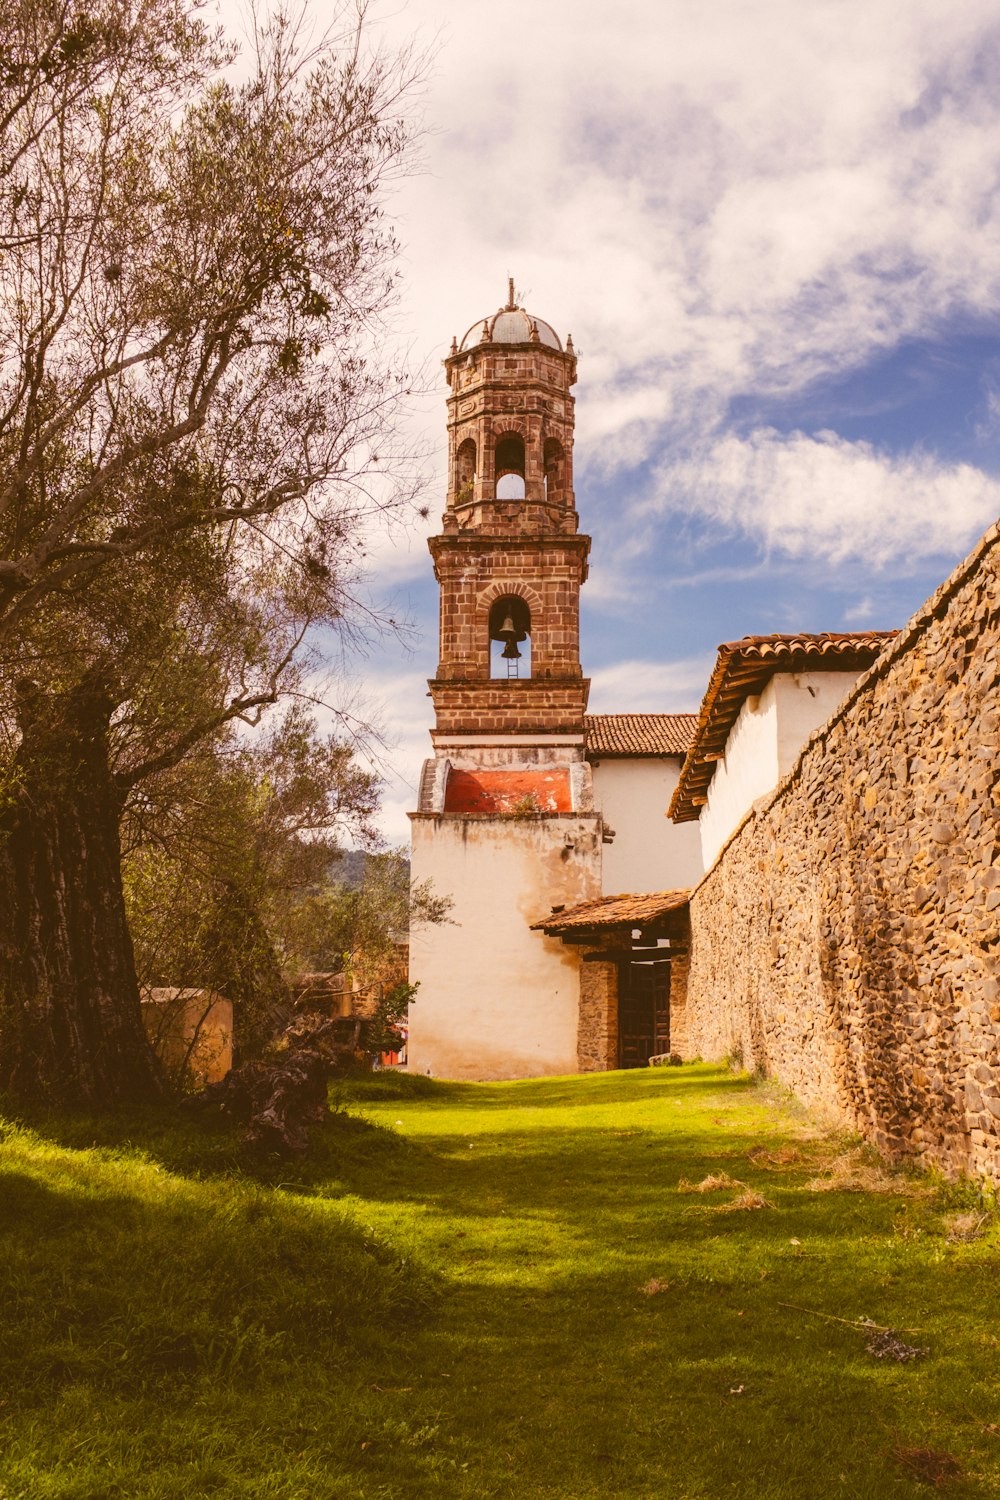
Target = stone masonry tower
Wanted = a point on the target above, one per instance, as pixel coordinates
(510, 533)
(505, 824)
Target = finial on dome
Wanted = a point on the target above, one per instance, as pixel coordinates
(569, 344)
(511, 304)
(486, 337)
(454, 344)
(533, 335)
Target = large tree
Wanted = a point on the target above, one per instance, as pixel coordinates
(222, 850)
(193, 432)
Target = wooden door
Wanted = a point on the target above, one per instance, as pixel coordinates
(643, 1011)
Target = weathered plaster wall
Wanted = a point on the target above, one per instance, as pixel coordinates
(497, 1000)
(649, 853)
(191, 1031)
(763, 745)
(847, 940)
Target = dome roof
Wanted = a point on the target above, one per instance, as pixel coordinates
(510, 325)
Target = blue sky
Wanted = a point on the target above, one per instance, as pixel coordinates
(773, 229)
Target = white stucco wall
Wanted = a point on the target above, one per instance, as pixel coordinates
(649, 852)
(497, 1000)
(805, 701)
(763, 745)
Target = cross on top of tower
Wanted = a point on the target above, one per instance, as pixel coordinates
(510, 324)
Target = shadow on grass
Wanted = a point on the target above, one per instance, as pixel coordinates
(209, 1146)
(116, 1272)
(605, 1335)
(348, 1147)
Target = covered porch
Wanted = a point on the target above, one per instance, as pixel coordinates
(633, 956)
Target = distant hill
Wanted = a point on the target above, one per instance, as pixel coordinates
(348, 868)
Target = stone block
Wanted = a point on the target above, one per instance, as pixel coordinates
(191, 1031)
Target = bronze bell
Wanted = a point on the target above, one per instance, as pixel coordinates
(508, 635)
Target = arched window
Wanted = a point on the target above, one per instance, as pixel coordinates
(510, 637)
(554, 460)
(508, 467)
(465, 469)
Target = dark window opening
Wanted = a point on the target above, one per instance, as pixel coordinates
(508, 467)
(510, 637)
(465, 470)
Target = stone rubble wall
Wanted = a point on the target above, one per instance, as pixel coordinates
(597, 1033)
(847, 939)
(680, 964)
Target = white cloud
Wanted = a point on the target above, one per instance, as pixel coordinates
(862, 612)
(720, 202)
(649, 687)
(823, 497)
(382, 708)
(724, 196)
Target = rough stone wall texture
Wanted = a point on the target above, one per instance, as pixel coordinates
(847, 940)
(680, 964)
(597, 1037)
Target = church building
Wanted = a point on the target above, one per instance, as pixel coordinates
(529, 803)
(823, 900)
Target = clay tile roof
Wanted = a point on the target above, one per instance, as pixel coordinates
(613, 911)
(609, 735)
(741, 671)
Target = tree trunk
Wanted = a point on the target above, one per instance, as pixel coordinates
(70, 1025)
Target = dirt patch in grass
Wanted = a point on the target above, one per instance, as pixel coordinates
(963, 1228)
(748, 1199)
(715, 1182)
(782, 1157)
(860, 1171)
(936, 1469)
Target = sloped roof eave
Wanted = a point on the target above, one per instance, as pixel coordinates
(742, 670)
(607, 912)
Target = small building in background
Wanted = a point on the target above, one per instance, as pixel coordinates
(635, 761)
(632, 952)
(766, 695)
(191, 1032)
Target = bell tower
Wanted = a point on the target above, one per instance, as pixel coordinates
(505, 824)
(510, 559)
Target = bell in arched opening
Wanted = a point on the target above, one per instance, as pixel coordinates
(510, 624)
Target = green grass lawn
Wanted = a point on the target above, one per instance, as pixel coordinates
(506, 1290)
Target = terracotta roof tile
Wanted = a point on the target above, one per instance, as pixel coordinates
(614, 911)
(741, 671)
(612, 735)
